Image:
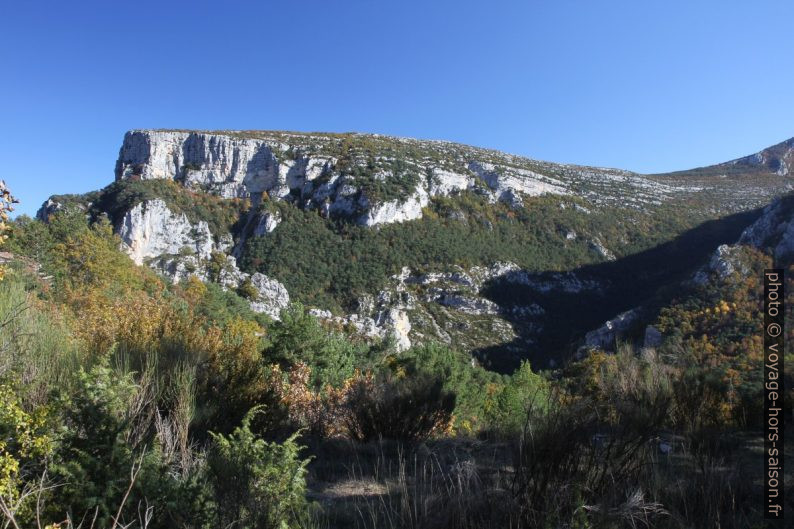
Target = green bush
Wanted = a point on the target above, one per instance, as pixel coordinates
(247, 289)
(507, 409)
(299, 337)
(455, 370)
(256, 483)
(107, 452)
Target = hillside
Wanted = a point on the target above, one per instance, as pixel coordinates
(498, 255)
(197, 391)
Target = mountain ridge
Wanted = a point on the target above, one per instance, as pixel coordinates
(405, 238)
(787, 144)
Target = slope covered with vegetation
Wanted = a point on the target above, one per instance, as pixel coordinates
(139, 403)
(628, 236)
(129, 400)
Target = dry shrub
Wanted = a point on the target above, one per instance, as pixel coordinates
(427, 493)
(577, 457)
(323, 412)
(406, 409)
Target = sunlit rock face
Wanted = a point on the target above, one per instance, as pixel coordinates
(150, 229)
(233, 165)
(151, 233)
(774, 229)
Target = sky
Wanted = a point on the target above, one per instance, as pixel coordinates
(649, 86)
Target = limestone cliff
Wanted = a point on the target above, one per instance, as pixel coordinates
(218, 205)
(369, 178)
(150, 229)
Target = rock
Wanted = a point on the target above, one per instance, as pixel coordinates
(602, 250)
(444, 182)
(180, 268)
(321, 314)
(773, 230)
(605, 336)
(150, 230)
(266, 223)
(397, 320)
(505, 183)
(230, 277)
(229, 166)
(468, 305)
(391, 322)
(396, 210)
(778, 159)
(273, 296)
(50, 207)
(724, 262)
(653, 337)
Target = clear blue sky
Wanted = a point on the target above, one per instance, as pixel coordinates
(647, 86)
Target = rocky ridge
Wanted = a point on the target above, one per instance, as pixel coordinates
(346, 175)
(373, 180)
(772, 232)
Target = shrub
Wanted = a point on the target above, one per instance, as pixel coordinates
(300, 337)
(507, 406)
(570, 456)
(37, 352)
(457, 373)
(25, 445)
(407, 409)
(247, 290)
(256, 483)
(108, 461)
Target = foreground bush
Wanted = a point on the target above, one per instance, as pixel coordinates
(255, 483)
(408, 410)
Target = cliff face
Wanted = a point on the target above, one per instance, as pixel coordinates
(225, 165)
(367, 178)
(219, 205)
(150, 229)
(778, 159)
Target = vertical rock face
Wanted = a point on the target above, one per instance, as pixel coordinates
(228, 166)
(301, 168)
(396, 211)
(273, 296)
(150, 229)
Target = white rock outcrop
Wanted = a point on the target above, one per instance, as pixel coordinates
(396, 210)
(266, 223)
(273, 296)
(151, 229)
(235, 164)
(391, 323)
